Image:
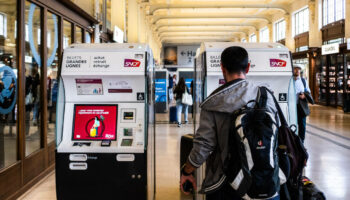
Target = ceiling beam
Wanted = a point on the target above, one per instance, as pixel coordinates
(196, 37)
(157, 27)
(204, 33)
(202, 30)
(156, 7)
(251, 17)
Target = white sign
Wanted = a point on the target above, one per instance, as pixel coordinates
(186, 55)
(330, 49)
(118, 35)
(348, 44)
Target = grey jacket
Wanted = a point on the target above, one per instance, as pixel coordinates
(211, 139)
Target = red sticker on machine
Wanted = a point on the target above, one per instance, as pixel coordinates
(131, 63)
(278, 63)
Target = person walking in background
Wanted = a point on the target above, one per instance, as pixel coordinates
(179, 91)
(303, 98)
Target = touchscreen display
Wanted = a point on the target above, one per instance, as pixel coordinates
(95, 122)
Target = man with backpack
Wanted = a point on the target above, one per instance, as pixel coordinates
(303, 98)
(237, 137)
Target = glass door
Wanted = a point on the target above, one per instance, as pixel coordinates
(332, 80)
(322, 80)
(347, 77)
(340, 79)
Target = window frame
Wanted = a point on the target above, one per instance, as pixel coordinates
(325, 9)
(299, 17)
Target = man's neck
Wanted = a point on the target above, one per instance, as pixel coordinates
(296, 77)
(232, 77)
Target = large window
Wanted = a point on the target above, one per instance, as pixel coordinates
(252, 38)
(264, 35)
(8, 84)
(333, 10)
(244, 40)
(280, 30)
(52, 70)
(3, 24)
(301, 21)
(33, 77)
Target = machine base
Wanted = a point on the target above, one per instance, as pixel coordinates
(105, 178)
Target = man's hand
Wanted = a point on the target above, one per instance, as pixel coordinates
(183, 180)
(302, 96)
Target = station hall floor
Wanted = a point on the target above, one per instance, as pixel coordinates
(327, 141)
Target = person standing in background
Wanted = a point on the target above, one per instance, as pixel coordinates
(179, 91)
(303, 92)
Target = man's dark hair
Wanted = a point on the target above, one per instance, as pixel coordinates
(234, 59)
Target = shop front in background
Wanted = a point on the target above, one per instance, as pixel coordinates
(333, 67)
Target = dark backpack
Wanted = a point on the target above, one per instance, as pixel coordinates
(252, 166)
(292, 157)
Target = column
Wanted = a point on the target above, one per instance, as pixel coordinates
(118, 14)
(289, 36)
(347, 19)
(315, 35)
(257, 33)
(270, 27)
(133, 21)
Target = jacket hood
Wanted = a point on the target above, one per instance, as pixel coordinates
(232, 97)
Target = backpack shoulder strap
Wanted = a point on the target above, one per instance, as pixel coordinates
(262, 97)
(304, 82)
(279, 110)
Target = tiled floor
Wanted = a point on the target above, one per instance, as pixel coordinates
(327, 142)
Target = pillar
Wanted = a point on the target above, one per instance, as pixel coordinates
(133, 21)
(270, 27)
(289, 36)
(315, 35)
(347, 19)
(118, 14)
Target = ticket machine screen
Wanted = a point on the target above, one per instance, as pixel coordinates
(95, 122)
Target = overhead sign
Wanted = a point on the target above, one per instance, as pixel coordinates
(348, 44)
(179, 56)
(330, 49)
(186, 55)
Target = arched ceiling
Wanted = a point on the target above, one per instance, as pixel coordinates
(195, 21)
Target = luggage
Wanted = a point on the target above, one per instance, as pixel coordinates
(186, 145)
(253, 142)
(172, 114)
(310, 191)
(293, 164)
(346, 106)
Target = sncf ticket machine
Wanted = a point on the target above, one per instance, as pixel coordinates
(105, 123)
(270, 63)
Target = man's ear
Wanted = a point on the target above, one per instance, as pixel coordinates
(223, 69)
(247, 70)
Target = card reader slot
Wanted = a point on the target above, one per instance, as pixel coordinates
(78, 166)
(78, 157)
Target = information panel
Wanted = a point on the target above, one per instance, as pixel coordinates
(160, 86)
(95, 122)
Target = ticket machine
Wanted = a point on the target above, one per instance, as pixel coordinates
(270, 64)
(105, 123)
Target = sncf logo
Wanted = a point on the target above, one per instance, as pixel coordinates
(131, 63)
(277, 63)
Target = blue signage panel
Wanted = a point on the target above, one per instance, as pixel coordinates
(8, 82)
(161, 90)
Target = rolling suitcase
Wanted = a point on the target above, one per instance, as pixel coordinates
(172, 115)
(185, 148)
